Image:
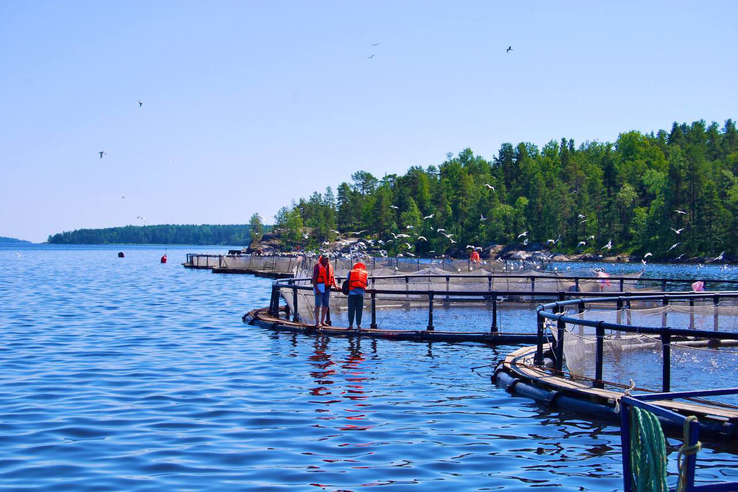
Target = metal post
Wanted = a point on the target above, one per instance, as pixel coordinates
(715, 304)
(538, 360)
(532, 284)
(620, 310)
(494, 313)
(374, 308)
(560, 328)
(628, 312)
(665, 303)
(430, 311)
(295, 317)
(622, 285)
(625, 444)
(666, 372)
(448, 279)
(663, 285)
(691, 459)
(691, 314)
(599, 356)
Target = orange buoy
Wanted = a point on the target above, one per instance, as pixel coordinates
(164, 258)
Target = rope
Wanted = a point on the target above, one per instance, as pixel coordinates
(647, 452)
(686, 451)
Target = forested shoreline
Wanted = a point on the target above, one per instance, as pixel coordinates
(206, 234)
(672, 193)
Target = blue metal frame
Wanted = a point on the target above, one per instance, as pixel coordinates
(690, 461)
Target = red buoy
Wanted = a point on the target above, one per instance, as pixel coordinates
(164, 259)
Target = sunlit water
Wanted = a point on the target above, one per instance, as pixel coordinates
(126, 374)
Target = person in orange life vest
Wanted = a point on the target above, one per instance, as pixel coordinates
(474, 257)
(357, 280)
(323, 280)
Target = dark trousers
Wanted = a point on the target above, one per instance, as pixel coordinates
(355, 307)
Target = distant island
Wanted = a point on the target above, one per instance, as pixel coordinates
(671, 195)
(205, 234)
(12, 240)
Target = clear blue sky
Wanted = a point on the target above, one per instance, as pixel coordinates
(248, 105)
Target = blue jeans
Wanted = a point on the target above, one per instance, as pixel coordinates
(355, 308)
(322, 299)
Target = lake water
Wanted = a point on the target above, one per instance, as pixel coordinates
(128, 374)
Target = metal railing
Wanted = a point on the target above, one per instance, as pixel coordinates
(555, 312)
(491, 296)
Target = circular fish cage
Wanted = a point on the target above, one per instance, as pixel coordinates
(592, 351)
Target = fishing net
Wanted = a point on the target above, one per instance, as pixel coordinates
(580, 341)
(282, 265)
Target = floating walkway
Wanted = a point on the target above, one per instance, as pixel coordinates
(552, 372)
(563, 362)
(262, 318)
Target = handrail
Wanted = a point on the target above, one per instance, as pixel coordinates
(554, 311)
(539, 277)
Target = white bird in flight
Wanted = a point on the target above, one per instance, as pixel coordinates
(581, 243)
(608, 245)
(679, 231)
(682, 212)
(489, 186)
(720, 257)
(422, 237)
(140, 103)
(409, 227)
(482, 218)
(429, 216)
(674, 246)
(394, 206)
(102, 153)
(525, 233)
(647, 255)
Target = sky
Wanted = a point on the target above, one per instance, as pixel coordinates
(249, 105)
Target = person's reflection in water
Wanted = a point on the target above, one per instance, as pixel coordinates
(322, 371)
(354, 391)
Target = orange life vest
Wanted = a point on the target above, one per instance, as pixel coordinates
(474, 256)
(358, 279)
(325, 275)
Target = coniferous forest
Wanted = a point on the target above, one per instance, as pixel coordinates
(158, 234)
(673, 193)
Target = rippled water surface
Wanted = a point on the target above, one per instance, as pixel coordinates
(126, 374)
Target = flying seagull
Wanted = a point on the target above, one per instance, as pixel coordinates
(140, 103)
(581, 243)
(394, 206)
(720, 257)
(647, 255)
(682, 212)
(370, 57)
(375, 44)
(482, 218)
(674, 246)
(428, 216)
(489, 186)
(677, 231)
(522, 234)
(608, 245)
(509, 49)
(422, 237)
(102, 153)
